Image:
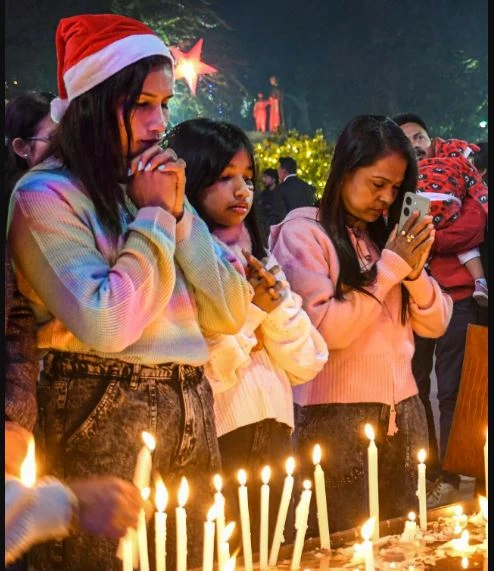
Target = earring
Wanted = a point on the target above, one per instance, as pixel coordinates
(25, 155)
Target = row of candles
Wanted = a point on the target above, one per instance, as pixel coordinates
(133, 547)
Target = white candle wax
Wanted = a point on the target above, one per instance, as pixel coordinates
(421, 492)
(208, 544)
(161, 499)
(321, 502)
(181, 520)
(219, 500)
(282, 512)
(301, 516)
(264, 525)
(373, 479)
(224, 547)
(142, 538)
(245, 520)
(410, 529)
(127, 554)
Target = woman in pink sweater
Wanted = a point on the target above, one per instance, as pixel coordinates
(363, 283)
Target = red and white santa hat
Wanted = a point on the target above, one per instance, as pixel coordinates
(93, 47)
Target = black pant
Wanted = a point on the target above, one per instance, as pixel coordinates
(449, 351)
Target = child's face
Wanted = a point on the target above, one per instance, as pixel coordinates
(149, 117)
(228, 201)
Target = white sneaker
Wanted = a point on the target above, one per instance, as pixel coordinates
(440, 494)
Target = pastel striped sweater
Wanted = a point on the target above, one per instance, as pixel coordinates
(144, 300)
(370, 349)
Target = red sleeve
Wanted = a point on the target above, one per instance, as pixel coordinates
(465, 232)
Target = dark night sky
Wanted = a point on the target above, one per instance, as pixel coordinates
(334, 58)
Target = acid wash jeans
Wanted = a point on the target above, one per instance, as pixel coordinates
(92, 412)
(339, 429)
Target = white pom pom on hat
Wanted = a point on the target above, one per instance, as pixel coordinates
(93, 47)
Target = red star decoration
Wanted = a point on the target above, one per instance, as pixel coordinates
(189, 65)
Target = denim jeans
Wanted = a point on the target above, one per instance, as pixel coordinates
(92, 413)
(339, 429)
(252, 447)
(449, 351)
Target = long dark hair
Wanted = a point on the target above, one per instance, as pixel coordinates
(22, 117)
(208, 147)
(363, 141)
(89, 137)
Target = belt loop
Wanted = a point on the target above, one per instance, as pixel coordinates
(134, 377)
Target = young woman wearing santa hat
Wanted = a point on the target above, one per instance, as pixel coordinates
(123, 278)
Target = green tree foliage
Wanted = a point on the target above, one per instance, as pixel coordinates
(313, 154)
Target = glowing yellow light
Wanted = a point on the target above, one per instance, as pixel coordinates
(28, 467)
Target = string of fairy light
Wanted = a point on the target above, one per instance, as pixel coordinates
(313, 154)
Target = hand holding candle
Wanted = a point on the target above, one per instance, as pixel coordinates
(161, 499)
(245, 520)
(301, 516)
(282, 512)
(181, 521)
(321, 502)
(264, 525)
(421, 492)
(373, 479)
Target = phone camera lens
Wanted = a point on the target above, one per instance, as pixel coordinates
(406, 211)
(408, 200)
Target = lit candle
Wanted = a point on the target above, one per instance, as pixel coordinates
(410, 528)
(161, 499)
(301, 516)
(142, 472)
(282, 512)
(141, 479)
(224, 547)
(486, 453)
(373, 479)
(28, 467)
(462, 544)
(421, 492)
(367, 548)
(321, 503)
(464, 562)
(208, 544)
(264, 526)
(181, 518)
(142, 538)
(245, 520)
(219, 500)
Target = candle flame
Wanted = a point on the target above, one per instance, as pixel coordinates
(368, 528)
(464, 562)
(465, 537)
(183, 492)
(28, 467)
(227, 532)
(145, 493)
(149, 440)
(266, 474)
(316, 455)
(307, 484)
(421, 455)
(369, 431)
(217, 482)
(160, 495)
(212, 513)
(411, 516)
(242, 477)
(290, 465)
(458, 511)
(484, 506)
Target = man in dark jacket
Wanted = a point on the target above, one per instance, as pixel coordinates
(270, 208)
(294, 191)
